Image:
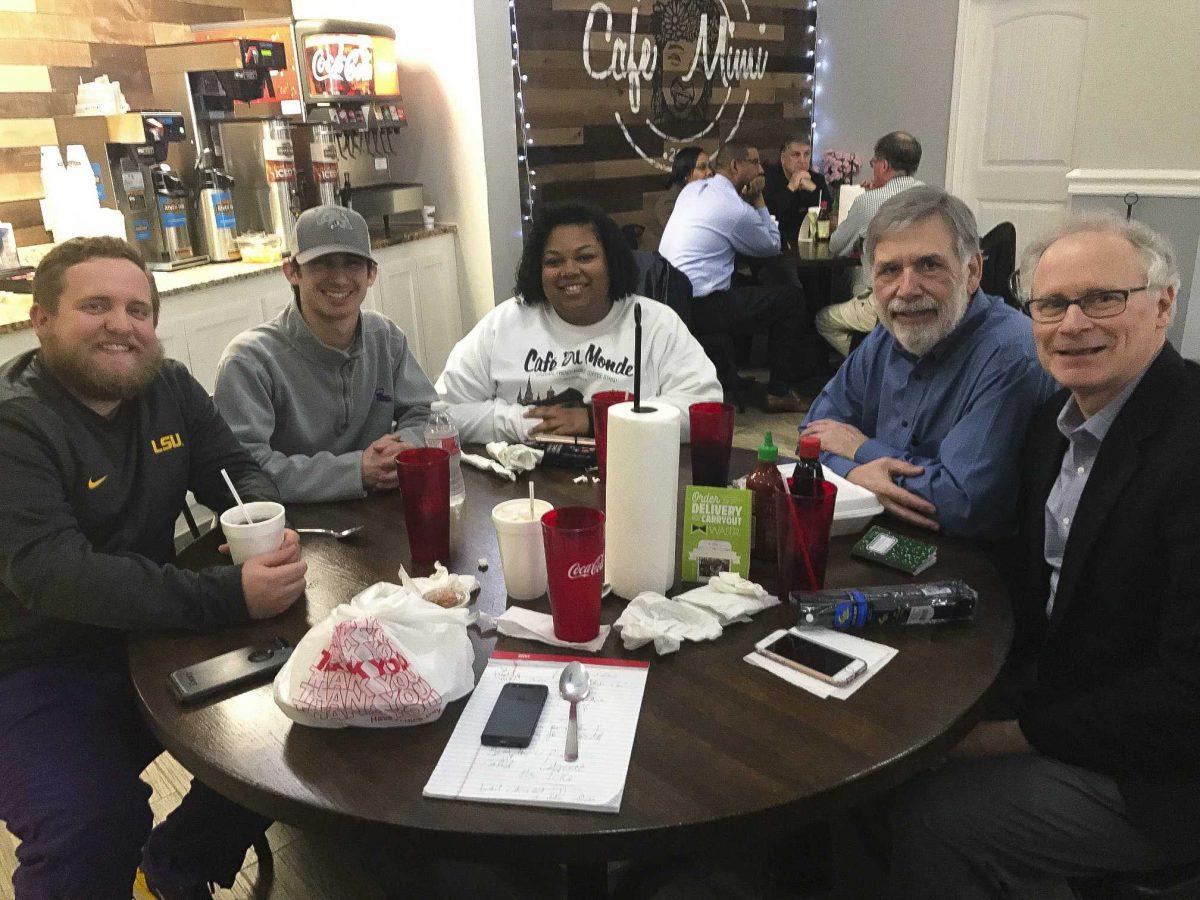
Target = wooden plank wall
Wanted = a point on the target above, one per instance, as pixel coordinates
(47, 46)
(580, 149)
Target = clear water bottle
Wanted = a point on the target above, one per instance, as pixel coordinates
(440, 431)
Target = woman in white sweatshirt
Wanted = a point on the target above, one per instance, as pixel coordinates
(531, 365)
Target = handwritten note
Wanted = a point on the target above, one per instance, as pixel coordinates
(537, 775)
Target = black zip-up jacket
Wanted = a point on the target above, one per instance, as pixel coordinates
(87, 512)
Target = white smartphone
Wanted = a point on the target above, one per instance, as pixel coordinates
(811, 658)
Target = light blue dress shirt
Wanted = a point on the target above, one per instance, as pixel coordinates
(960, 411)
(710, 223)
(1084, 437)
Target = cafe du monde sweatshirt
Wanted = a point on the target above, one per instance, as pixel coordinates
(522, 355)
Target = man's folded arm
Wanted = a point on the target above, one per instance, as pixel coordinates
(973, 479)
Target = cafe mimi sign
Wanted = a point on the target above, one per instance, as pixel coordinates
(610, 90)
(696, 77)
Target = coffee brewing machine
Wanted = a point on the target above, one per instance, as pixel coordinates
(129, 152)
(341, 97)
(243, 139)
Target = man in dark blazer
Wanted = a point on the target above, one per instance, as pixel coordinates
(1097, 767)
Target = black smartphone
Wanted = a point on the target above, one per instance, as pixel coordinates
(811, 658)
(236, 669)
(515, 716)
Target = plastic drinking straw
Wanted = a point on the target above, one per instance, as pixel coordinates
(637, 357)
(233, 490)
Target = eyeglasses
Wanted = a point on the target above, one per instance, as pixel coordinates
(1103, 304)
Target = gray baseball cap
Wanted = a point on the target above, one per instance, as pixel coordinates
(331, 229)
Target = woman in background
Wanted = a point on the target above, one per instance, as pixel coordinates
(690, 164)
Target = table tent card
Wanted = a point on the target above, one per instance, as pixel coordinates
(537, 775)
(716, 532)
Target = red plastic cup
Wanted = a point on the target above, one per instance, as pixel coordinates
(425, 485)
(712, 438)
(574, 539)
(803, 525)
(601, 401)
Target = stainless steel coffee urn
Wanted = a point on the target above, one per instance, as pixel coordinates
(214, 207)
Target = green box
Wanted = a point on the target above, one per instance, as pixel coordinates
(716, 532)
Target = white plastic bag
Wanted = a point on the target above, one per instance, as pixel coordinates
(386, 658)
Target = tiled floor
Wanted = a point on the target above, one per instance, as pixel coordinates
(316, 867)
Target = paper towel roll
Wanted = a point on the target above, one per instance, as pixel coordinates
(641, 498)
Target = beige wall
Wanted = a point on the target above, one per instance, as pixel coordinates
(1140, 102)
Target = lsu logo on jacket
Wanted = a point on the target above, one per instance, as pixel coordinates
(166, 443)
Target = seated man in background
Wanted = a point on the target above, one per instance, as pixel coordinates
(792, 186)
(100, 440)
(715, 219)
(326, 394)
(1096, 767)
(897, 156)
(928, 413)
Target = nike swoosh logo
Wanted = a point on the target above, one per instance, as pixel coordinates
(94, 483)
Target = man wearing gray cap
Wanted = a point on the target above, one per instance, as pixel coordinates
(326, 394)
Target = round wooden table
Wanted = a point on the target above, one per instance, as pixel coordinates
(723, 749)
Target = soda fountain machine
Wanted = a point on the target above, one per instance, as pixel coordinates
(341, 96)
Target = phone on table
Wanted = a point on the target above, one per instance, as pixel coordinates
(515, 716)
(811, 658)
(236, 669)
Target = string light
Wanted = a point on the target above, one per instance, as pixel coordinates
(819, 64)
(524, 140)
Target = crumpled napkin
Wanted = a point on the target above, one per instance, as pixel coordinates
(488, 465)
(517, 457)
(519, 622)
(730, 597)
(652, 617)
(442, 588)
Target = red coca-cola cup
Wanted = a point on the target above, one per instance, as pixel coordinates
(711, 440)
(803, 525)
(574, 540)
(601, 401)
(425, 485)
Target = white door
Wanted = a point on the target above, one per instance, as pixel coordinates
(1018, 70)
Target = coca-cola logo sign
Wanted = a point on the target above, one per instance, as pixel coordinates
(587, 570)
(340, 65)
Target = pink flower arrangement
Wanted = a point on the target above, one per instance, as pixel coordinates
(840, 165)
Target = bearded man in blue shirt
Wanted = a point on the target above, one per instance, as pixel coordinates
(928, 413)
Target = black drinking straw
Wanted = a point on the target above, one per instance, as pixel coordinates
(637, 357)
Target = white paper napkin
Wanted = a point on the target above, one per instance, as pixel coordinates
(488, 465)
(730, 597)
(519, 622)
(517, 457)
(876, 656)
(652, 617)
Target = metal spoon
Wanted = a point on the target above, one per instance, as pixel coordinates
(342, 535)
(574, 685)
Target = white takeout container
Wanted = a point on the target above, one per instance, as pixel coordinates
(855, 507)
